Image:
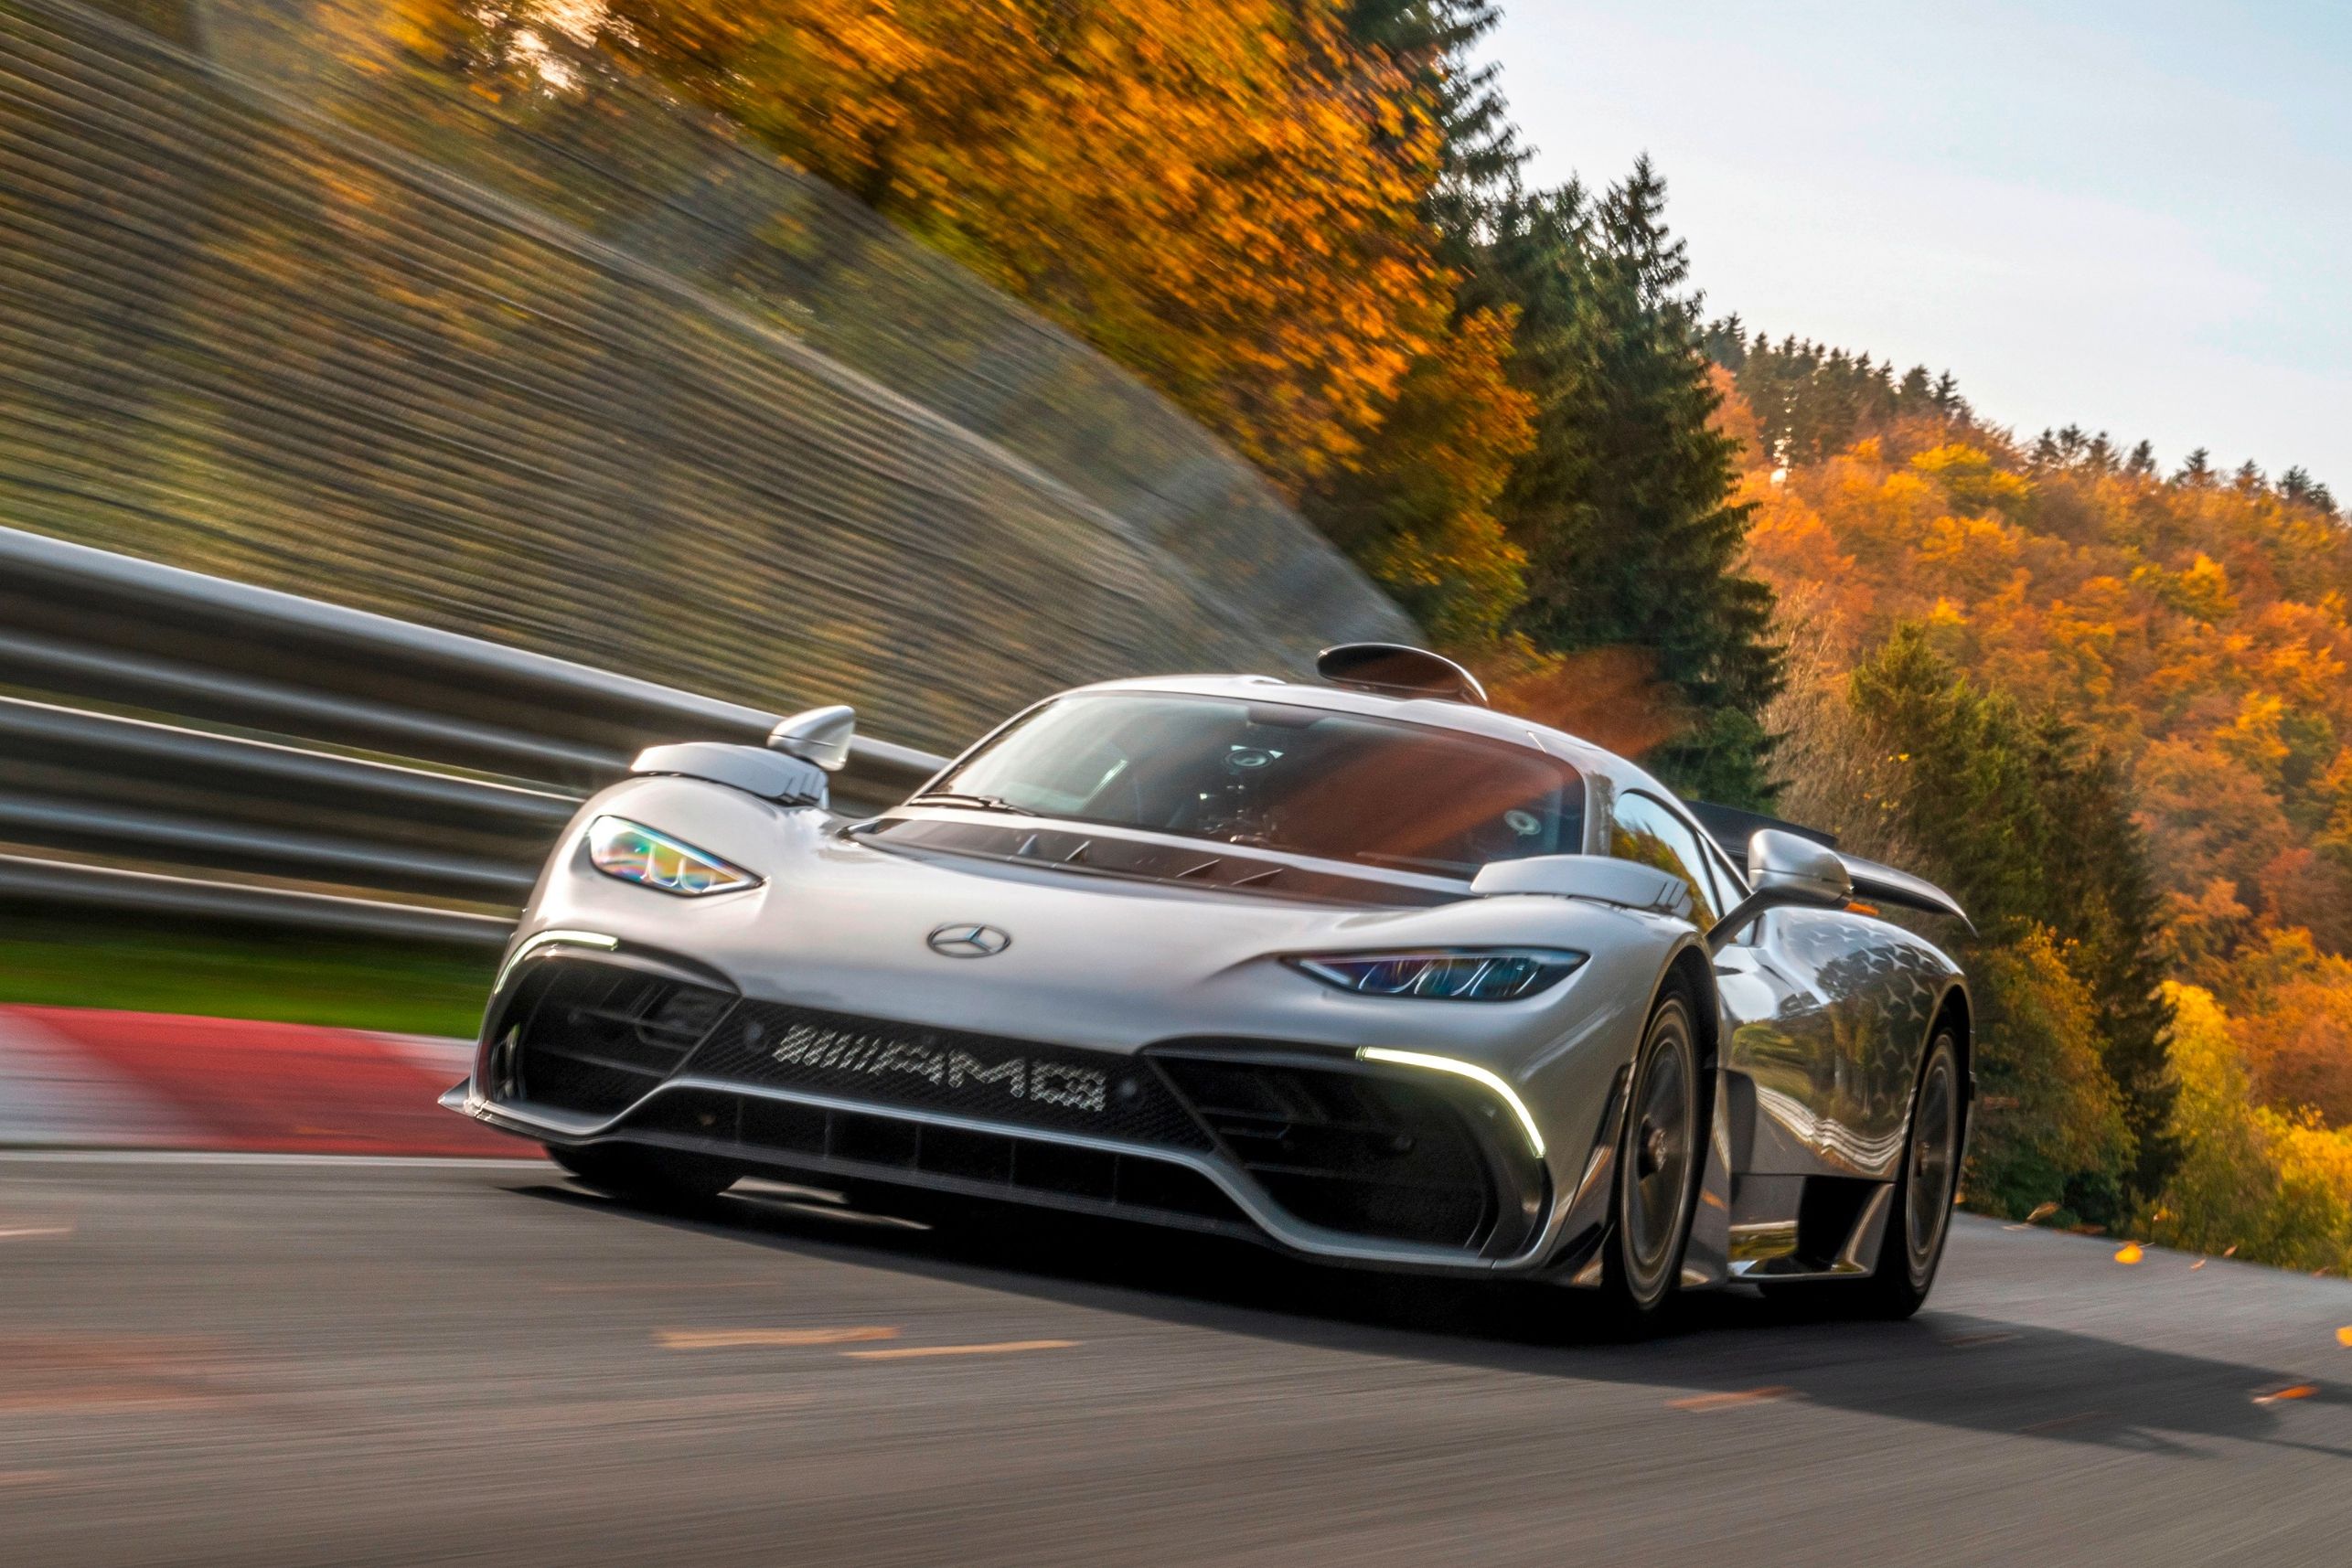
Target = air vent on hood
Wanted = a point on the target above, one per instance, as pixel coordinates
(1109, 855)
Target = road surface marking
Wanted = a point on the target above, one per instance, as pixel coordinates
(2063, 1422)
(1719, 1400)
(1965, 1342)
(738, 1339)
(28, 1232)
(905, 1352)
(2292, 1390)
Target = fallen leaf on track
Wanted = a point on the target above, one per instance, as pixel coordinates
(738, 1338)
(1720, 1401)
(2129, 1253)
(2292, 1390)
(905, 1352)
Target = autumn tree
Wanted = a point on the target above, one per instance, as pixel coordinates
(1224, 194)
(1418, 507)
(2034, 833)
(1624, 505)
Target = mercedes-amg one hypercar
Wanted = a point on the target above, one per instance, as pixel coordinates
(1361, 968)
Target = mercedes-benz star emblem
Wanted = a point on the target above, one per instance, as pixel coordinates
(969, 941)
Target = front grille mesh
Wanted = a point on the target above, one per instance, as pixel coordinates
(830, 1141)
(591, 1038)
(985, 1077)
(1354, 1151)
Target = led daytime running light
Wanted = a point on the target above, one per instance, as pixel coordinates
(552, 938)
(1469, 1069)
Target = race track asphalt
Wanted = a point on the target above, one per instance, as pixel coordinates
(258, 1363)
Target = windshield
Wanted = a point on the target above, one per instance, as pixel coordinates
(1268, 774)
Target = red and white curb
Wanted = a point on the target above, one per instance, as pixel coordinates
(88, 1078)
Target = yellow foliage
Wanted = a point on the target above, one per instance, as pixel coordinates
(1222, 194)
(2051, 1111)
(2200, 591)
(2254, 738)
(1417, 511)
(1970, 477)
(2266, 1185)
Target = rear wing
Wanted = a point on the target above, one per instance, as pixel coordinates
(1731, 827)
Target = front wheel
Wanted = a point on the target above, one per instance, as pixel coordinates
(661, 1176)
(1658, 1166)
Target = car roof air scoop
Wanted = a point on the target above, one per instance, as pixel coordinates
(1393, 669)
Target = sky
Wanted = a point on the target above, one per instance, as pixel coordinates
(2135, 217)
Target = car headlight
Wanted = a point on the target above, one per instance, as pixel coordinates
(636, 853)
(1451, 975)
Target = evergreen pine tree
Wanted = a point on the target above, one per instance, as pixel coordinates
(1624, 505)
(2028, 829)
(2100, 894)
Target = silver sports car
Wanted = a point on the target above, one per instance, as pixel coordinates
(1363, 969)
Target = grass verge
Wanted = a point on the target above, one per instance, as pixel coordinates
(85, 960)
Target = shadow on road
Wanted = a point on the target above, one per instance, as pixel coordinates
(1956, 1369)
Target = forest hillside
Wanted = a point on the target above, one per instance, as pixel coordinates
(2105, 699)
(2109, 705)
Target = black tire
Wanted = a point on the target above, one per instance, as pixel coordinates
(652, 1175)
(1659, 1166)
(1918, 1213)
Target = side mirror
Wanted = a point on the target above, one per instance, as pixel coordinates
(1785, 868)
(821, 736)
(1798, 870)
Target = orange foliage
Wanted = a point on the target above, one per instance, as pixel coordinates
(2200, 628)
(2299, 1046)
(1222, 194)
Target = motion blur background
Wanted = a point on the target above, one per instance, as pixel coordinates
(930, 357)
(409, 409)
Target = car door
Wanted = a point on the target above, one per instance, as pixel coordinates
(1825, 1014)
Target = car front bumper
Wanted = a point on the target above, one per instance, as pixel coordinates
(1301, 1145)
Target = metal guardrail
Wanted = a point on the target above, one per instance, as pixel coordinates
(179, 743)
(288, 296)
